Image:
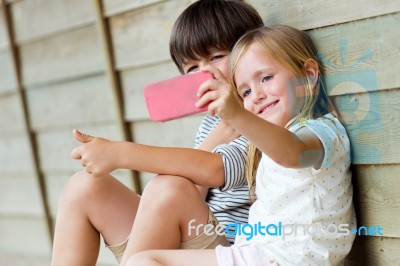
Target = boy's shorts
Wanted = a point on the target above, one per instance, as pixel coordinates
(202, 241)
(244, 255)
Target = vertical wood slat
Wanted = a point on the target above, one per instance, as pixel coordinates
(16, 64)
(104, 32)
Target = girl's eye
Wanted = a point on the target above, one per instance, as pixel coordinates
(266, 78)
(246, 93)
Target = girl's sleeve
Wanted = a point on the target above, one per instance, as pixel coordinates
(333, 137)
(234, 156)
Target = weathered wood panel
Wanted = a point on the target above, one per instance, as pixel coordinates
(26, 236)
(133, 82)
(47, 17)
(55, 146)
(370, 120)
(112, 7)
(141, 37)
(13, 1)
(363, 52)
(175, 133)
(316, 13)
(15, 158)
(71, 55)
(80, 101)
(7, 73)
(377, 197)
(4, 41)
(11, 114)
(19, 195)
(373, 251)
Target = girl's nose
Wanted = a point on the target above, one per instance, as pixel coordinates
(258, 95)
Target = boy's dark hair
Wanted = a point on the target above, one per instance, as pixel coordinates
(210, 24)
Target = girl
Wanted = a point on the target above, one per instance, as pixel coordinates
(89, 207)
(302, 156)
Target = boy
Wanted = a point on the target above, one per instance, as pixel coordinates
(203, 34)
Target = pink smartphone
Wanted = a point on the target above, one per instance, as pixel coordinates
(175, 97)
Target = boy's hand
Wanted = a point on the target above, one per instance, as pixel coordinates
(97, 155)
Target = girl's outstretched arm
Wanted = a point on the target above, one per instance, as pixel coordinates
(292, 150)
(100, 156)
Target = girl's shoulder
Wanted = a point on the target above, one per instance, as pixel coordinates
(328, 122)
(332, 134)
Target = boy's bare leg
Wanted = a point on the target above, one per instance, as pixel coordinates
(198, 257)
(168, 204)
(87, 208)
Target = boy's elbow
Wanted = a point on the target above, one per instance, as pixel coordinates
(219, 179)
(216, 173)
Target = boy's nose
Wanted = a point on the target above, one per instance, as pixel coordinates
(203, 63)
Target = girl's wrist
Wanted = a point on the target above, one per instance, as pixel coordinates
(234, 120)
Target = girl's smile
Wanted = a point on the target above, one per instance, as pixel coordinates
(267, 107)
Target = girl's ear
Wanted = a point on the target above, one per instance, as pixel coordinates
(312, 69)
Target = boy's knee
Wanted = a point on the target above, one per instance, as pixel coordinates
(169, 189)
(80, 185)
(139, 259)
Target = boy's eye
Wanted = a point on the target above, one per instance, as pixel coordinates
(191, 69)
(266, 78)
(216, 57)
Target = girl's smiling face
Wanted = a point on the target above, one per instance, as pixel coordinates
(262, 82)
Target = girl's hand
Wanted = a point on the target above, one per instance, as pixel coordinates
(219, 94)
(97, 155)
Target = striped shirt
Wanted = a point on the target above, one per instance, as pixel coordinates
(229, 203)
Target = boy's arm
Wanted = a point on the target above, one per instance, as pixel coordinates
(100, 156)
(221, 134)
(196, 165)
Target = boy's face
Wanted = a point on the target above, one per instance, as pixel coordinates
(217, 58)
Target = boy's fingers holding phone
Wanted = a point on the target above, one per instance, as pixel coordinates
(208, 92)
(213, 70)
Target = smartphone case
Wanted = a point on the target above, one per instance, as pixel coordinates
(175, 97)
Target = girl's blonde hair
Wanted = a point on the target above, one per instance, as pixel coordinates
(294, 49)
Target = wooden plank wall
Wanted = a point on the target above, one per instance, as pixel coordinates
(65, 80)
